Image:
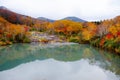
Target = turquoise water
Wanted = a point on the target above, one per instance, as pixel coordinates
(57, 62)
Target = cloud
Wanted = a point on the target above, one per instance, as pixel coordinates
(51, 69)
(56, 9)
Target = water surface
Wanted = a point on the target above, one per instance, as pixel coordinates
(57, 62)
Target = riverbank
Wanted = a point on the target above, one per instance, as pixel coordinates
(45, 38)
(37, 37)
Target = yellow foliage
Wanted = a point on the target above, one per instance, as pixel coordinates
(3, 20)
(113, 30)
(86, 35)
(15, 29)
(67, 26)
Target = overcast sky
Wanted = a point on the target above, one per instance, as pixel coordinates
(90, 10)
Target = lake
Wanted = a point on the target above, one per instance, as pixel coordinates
(65, 61)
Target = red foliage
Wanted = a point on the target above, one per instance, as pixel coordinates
(26, 28)
(12, 17)
(9, 15)
(109, 36)
(8, 35)
(16, 18)
(118, 33)
(1, 31)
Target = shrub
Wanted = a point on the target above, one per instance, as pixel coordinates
(26, 40)
(74, 39)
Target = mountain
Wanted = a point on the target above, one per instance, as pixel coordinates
(2, 7)
(76, 19)
(16, 18)
(45, 19)
(23, 19)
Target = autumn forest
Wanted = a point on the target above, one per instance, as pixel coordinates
(104, 34)
(16, 28)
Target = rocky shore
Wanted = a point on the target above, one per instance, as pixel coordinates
(44, 38)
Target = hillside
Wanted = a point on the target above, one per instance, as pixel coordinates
(18, 18)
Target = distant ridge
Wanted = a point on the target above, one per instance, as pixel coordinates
(45, 19)
(76, 19)
(2, 7)
(15, 17)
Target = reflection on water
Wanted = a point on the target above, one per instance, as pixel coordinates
(57, 62)
(55, 70)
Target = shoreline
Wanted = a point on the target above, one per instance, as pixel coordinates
(44, 38)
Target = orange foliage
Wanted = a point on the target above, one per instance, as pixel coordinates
(8, 30)
(102, 42)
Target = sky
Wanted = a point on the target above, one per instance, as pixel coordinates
(90, 10)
